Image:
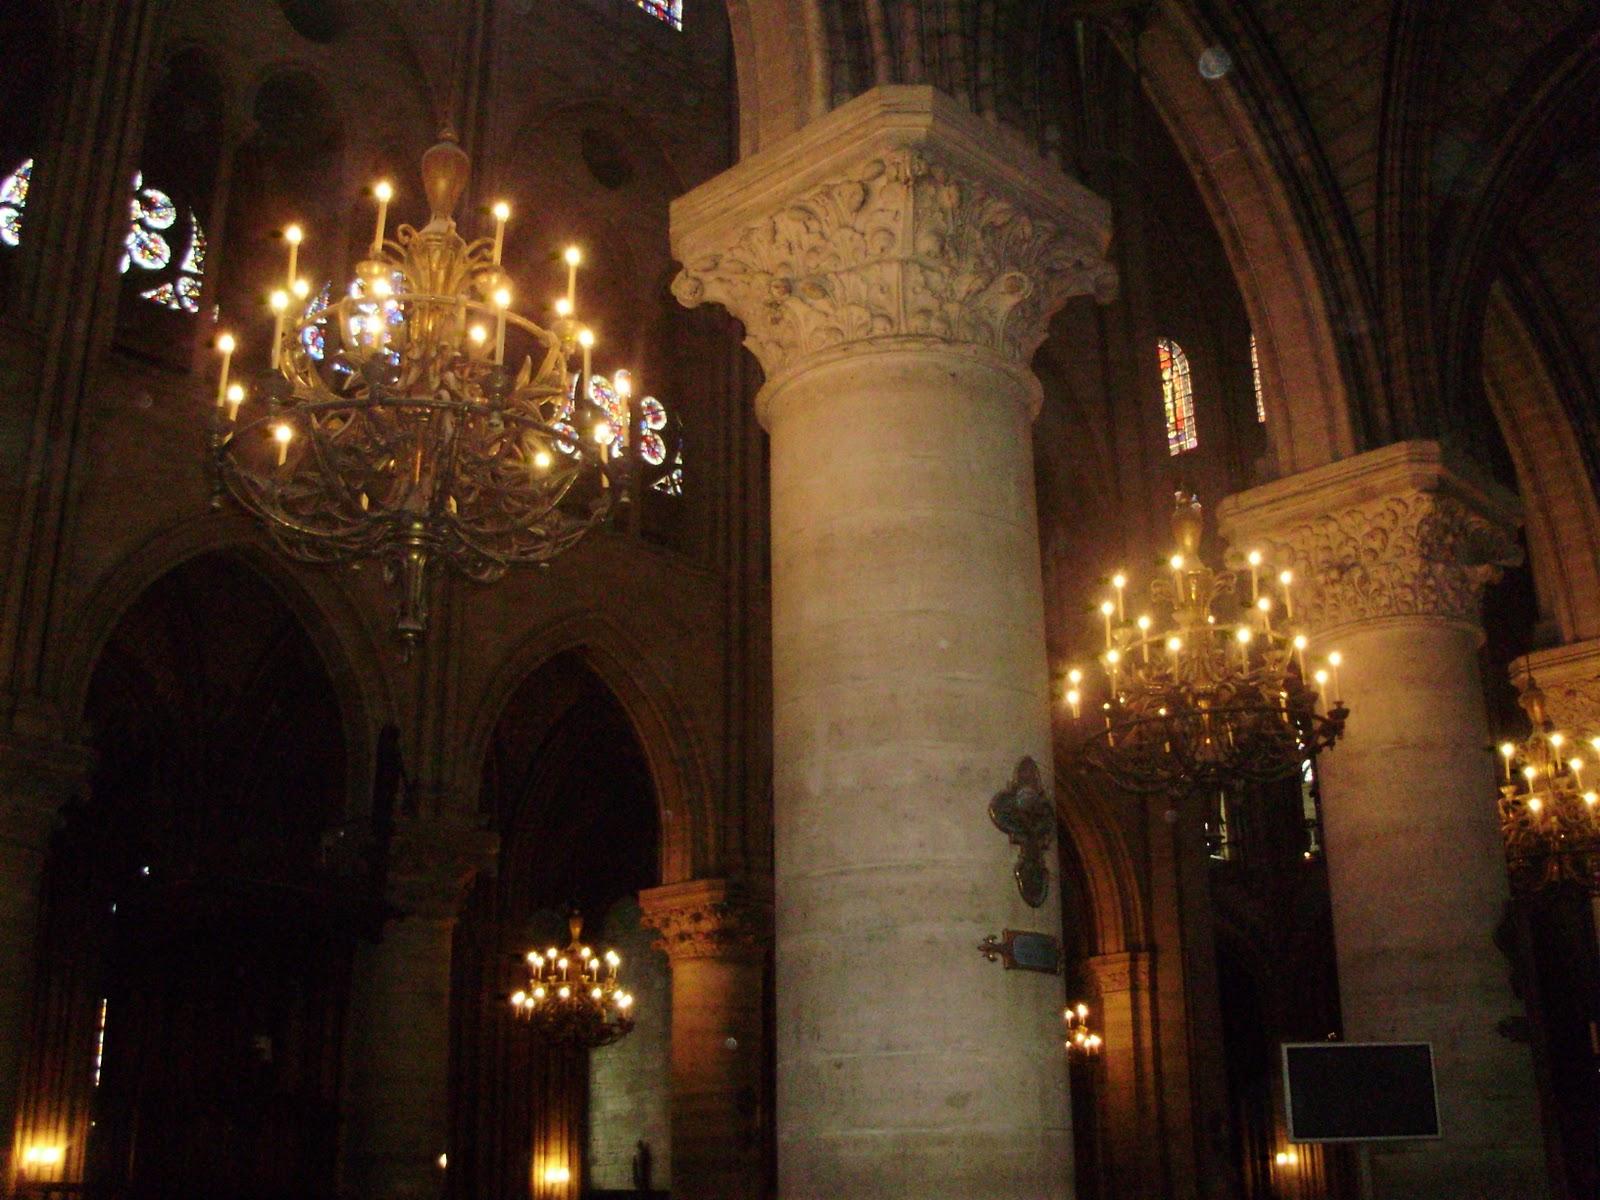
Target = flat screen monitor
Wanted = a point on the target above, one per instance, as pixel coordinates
(1360, 1091)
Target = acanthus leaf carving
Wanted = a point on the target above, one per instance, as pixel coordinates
(1418, 552)
(903, 246)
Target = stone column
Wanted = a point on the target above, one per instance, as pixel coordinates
(895, 265)
(714, 932)
(36, 780)
(398, 1062)
(1392, 550)
(1129, 1103)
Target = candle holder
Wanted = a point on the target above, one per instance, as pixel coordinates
(419, 419)
(573, 996)
(1212, 694)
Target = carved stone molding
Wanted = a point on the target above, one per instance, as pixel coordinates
(1128, 971)
(1402, 531)
(1569, 677)
(708, 918)
(431, 862)
(900, 214)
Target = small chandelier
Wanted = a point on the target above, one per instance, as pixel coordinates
(1216, 692)
(572, 996)
(393, 425)
(1549, 817)
(1082, 1041)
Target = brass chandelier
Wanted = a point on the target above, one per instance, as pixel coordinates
(573, 996)
(1213, 694)
(393, 425)
(1549, 814)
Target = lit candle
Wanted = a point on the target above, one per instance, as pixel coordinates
(502, 301)
(563, 308)
(1119, 581)
(225, 346)
(1074, 697)
(1144, 636)
(574, 256)
(384, 193)
(1300, 643)
(294, 236)
(1507, 753)
(1255, 575)
(1286, 578)
(586, 340)
(280, 308)
(1264, 607)
(1106, 609)
(1176, 562)
(502, 214)
(283, 435)
(235, 399)
(1335, 660)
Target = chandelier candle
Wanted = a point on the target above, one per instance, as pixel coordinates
(502, 214)
(384, 192)
(225, 347)
(293, 235)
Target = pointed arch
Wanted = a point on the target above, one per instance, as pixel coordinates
(677, 763)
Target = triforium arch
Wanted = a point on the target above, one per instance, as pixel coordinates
(689, 837)
(332, 620)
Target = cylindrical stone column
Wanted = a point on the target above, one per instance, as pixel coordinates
(1393, 549)
(36, 780)
(715, 933)
(895, 265)
(397, 1093)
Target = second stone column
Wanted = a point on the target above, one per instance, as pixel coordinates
(895, 265)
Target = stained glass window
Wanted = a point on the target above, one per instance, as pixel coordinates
(13, 199)
(645, 419)
(1255, 374)
(1177, 396)
(153, 221)
(670, 11)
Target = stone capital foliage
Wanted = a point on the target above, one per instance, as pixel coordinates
(432, 861)
(903, 244)
(1419, 552)
(1125, 972)
(708, 919)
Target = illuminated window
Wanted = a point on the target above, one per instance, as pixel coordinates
(1177, 396)
(100, 1043)
(13, 199)
(645, 419)
(154, 225)
(670, 11)
(1255, 374)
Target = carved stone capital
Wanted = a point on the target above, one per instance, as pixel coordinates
(708, 918)
(898, 215)
(431, 862)
(38, 778)
(1404, 531)
(1569, 677)
(1109, 974)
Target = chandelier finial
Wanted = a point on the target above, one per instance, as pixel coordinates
(1188, 522)
(444, 176)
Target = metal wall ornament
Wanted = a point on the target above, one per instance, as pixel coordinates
(1549, 815)
(1216, 693)
(1022, 811)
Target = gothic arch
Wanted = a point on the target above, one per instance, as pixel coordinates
(337, 629)
(1116, 902)
(689, 831)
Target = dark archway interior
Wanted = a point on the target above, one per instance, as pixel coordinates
(567, 784)
(202, 905)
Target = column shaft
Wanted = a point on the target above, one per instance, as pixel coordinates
(715, 933)
(1394, 548)
(895, 265)
(909, 676)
